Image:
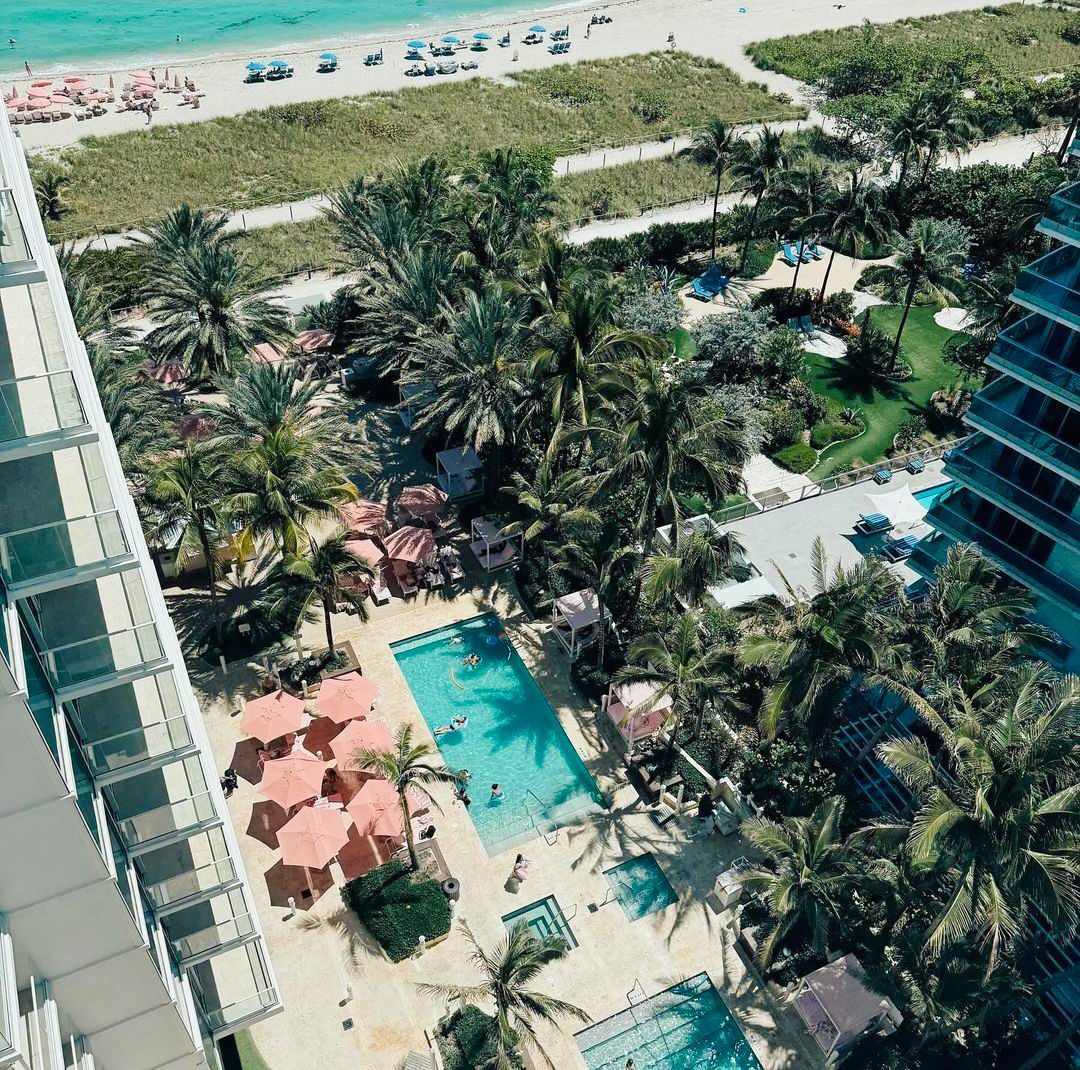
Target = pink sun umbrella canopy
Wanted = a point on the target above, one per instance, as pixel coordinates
(365, 517)
(376, 810)
(425, 500)
(313, 340)
(313, 837)
(362, 735)
(292, 780)
(367, 549)
(272, 715)
(341, 698)
(411, 545)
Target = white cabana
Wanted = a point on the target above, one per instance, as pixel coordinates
(492, 546)
(413, 398)
(637, 710)
(577, 619)
(899, 506)
(460, 473)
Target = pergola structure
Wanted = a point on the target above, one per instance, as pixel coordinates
(577, 619)
(493, 547)
(637, 710)
(460, 473)
(413, 398)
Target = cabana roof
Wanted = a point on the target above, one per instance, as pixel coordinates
(314, 340)
(267, 353)
(838, 1006)
(462, 461)
(638, 693)
(365, 517)
(490, 529)
(409, 544)
(424, 500)
(582, 609)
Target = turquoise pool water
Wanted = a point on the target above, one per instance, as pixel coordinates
(513, 737)
(55, 35)
(928, 495)
(544, 918)
(685, 1027)
(640, 886)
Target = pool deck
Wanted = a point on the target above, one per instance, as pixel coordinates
(321, 950)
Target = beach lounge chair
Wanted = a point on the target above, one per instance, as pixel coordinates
(504, 41)
(872, 523)
(806, 325)
(706, 286)
(916, 465)
(882, 475)
(815, 251)
(790, 256)
(900, 549)
(448, 66)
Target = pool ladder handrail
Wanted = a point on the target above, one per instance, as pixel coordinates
(550, 838)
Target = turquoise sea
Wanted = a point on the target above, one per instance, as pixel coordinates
(58, 35)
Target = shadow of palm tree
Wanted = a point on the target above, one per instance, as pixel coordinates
(855, 384)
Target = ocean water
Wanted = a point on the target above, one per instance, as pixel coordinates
(58, 35)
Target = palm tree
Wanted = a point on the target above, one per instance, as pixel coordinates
(758, 164)
(698, 559)
(518, 959)
(998, 806)
(804, 190)
(714, 148)
(181, 231)
(805, 877)
(854, 215)
(908, 134)
(818, 639)
(681, 667)
(408, 768)
(187, 490)
(210, 307)
(320, 574)
(50, 186)
(553, 505)
(950, 130)
(929, 261)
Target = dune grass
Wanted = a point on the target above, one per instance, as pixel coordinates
(289, 151)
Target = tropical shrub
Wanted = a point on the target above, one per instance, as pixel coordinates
(823, 434)
(398, 907)
(652, 311)
(784, 425)
(783, 304)
(869, 351)
(910, 433)
(731, 344)
(783, 778)
(797, 458)
(466, 1040)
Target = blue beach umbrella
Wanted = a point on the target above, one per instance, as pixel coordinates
(450, 39)
(277, 64)
(538, 29)
(481, 36)
(255, 65)
(330, 57)
(417, 44)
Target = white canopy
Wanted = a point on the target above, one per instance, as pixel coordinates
(459, 462)
(899, 506)
(580, 609)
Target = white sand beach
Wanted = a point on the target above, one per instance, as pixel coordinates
(715, 29)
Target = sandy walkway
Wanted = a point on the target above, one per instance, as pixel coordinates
(712, 28)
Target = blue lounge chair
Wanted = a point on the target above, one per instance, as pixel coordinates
(793, 325)
(882, 475)
(790, 256)
(947, 454)
(803, 251)
(900, 549)
(916, 465)
(705, 287)
(806, 325)
(873, 523)
(815, 251)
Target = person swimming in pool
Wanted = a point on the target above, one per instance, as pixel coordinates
(496, 793)
(456, 725)
(472, 660)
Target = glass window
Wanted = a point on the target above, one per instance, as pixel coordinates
(84, 787)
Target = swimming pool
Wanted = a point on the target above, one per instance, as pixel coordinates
(928, 495)
(513, 737)
(545, 918)
(685, 1027)
(640, 886)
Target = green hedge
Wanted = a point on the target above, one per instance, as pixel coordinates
(466, 1040)
(824, 433)
(398, 907)
(797, 458)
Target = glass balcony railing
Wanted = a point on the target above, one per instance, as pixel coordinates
(1034, 350)
(173, 819)
(949, 515)
(993, 410)
(15, 252)
(235, 1013)
(219, 935)
(145, 743)
(202, 881)
(1052, 285)
(104, 655)
(48, 549)
(1062, 219)
(974, 465)
(37, 405)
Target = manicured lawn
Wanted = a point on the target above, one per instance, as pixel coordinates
(250, 1059)
(884, 405)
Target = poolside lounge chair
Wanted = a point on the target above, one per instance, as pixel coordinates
(882, 475)
(900, 549)
(871, 523)
(791, 258)
(806, 325)
(705, 287)
(947, 454)
(815, 251)
(916, 465)
(802, 250)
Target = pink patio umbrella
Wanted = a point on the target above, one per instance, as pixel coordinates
(341, 698)
(168, 373)
(41, 83)
(18, 103)
(141, 74)
(362, 735)
(425, 500)
(367, 549)
(176, 81)
(71, 79)
(410, 545)
(266, 353)
(292, 780)
(272, 715)
(60, 98)
(314, 340)
(376, 810)
(365, 517)
(313, 837)
(98, 97)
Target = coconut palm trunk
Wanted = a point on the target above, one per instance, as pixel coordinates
(798, 265)
(909, 299)
(825, 280)
(715, 210)
(328, 608)
(410, 843)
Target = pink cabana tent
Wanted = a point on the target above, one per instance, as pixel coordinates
(168, 374)
(272, 715)
(362, 735)
(376, 810)
(313, 341)
(313, 837)
(341, 698)
(367, 549)
(425, 501)
(365, 517)
(267, 353)
(292, 780)
(409, 545)
(637, 709)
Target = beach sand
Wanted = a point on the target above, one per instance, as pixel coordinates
(713, 29)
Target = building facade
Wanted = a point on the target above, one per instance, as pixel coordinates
(128, 936)
(1018, 476)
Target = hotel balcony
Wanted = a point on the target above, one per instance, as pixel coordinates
(41, 413)
(1043, 354)
(17, 264)
(1051, 285)
(997, 409)
(234, 988)
(953, 516)
(178, 876)
(104, 661)
(160, 826)
(978, 464)
(211, 928)
(1062, 218)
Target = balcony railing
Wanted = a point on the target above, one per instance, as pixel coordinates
(1032, 351)
(222, 934)
(32, 406)
(15, 252)
(993, 410)
(176, 820)
(200, 882)
(1050, 285)
(234, 1014)
(1062, 219)
(104, 655)
(65, 546)
(138, 745)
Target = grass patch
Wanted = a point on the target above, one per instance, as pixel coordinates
(629, 187)
(685, 346)
(250, 1059)
(289, 247)
(884, 405)
(285, 152)
(398, 907)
